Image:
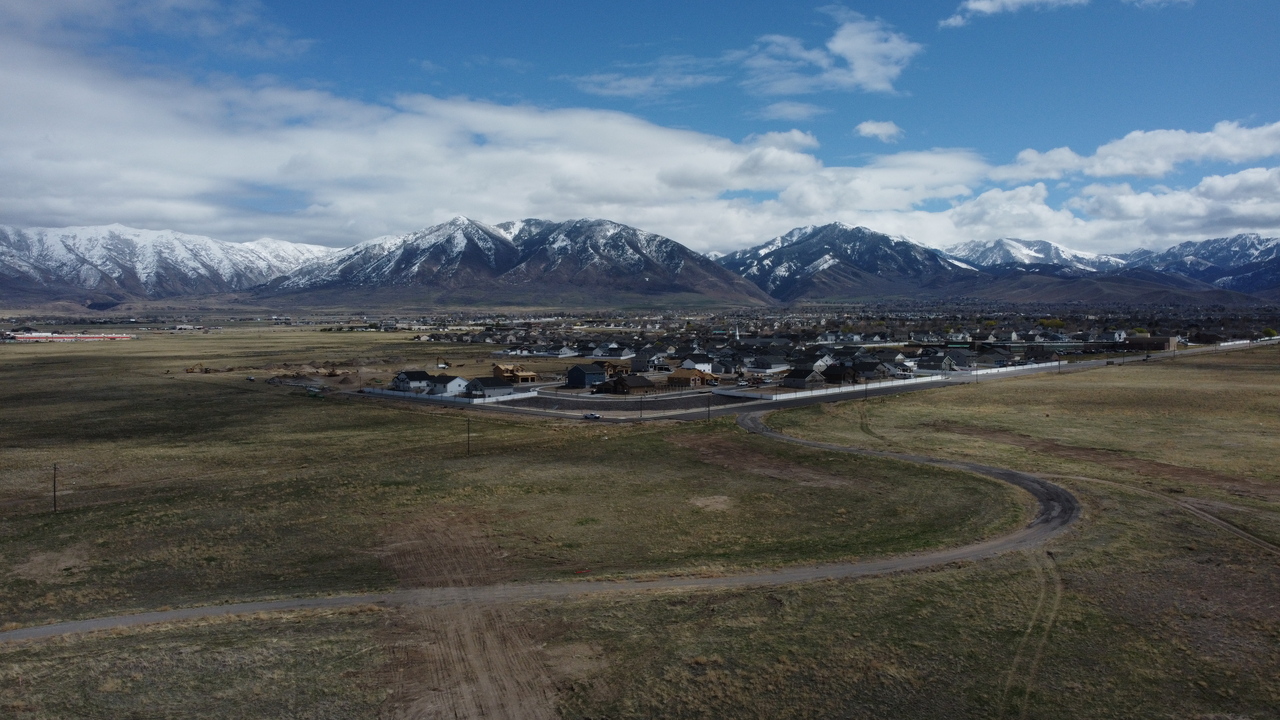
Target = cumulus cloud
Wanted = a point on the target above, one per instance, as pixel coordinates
(970, 9)
(1220, 204)
(863, 54)
(1149, 153)
(84, 143)
(884, 131)
(790, 110)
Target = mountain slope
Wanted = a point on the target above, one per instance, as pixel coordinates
(457, 252)
(578, 262)
(120, 261)
(990, 253)
(838, 261)
(1224, 253)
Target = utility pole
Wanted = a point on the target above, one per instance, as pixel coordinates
(468, 436)
(708, 406)
(55, 487)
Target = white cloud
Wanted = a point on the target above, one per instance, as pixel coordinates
(82, 142)
(790, 110)
(665, 76)
(1218, 205)
(1149, 153)
(971, 8)
(884, 131)
(238, 26)
(863, 54)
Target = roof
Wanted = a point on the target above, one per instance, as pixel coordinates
(416, 375)
(491, 382)
(690, 373)
(801, 374)
(636, 381)
(591, 369)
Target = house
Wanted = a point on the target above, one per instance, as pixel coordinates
(585, 376)
(1040, 354)
(936, 364)
(690, 378)
(514, 374)
(486, 387)
(803, 379)
(613, 351)
(447, 385)
(626, 385)
(839, 375)
(697, 361)
(768, 364)
(873, 369)
(994, 358)
(411, 381)
(892, 357)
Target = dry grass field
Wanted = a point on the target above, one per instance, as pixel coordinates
(201, 488)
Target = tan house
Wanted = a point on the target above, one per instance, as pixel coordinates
(690, 378)
(514, 374)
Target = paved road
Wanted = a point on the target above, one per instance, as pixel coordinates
(1058, 509)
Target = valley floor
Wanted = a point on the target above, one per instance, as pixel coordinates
(194, 490)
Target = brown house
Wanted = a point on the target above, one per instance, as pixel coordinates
(689, 378)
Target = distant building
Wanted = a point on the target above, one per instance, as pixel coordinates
(627, 385)
(585, 376)
(486, 387)
(412, 381)
(804, 379)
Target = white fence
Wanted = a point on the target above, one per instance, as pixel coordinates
(850, 389)
(446, 399)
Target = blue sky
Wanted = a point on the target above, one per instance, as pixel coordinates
(1099, 124)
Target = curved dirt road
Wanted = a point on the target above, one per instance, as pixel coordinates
(1058, 508)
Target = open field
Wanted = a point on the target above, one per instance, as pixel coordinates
(199, 488)
(206, 488)
(312, 664)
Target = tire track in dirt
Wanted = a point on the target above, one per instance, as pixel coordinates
(1051, 566)
(1026, 636)
(1187, 506)
(1058, 509)
(468, 660)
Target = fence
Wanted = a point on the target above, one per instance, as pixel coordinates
(864, 387)
(445, 399)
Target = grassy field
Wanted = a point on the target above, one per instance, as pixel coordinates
(198, 488)
(313, 664)
(1142, 611)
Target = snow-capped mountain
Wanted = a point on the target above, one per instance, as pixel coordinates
(525, 261)
(119, 260)
(459, 250)
(841, 261)
(1209, 257)
(1006, 251)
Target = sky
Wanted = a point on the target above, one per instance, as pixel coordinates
(1102, 125)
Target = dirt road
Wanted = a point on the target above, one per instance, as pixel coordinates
(1058, 508)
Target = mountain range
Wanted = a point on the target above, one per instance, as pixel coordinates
(115, 262)
(579, 262)
(599, 263)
